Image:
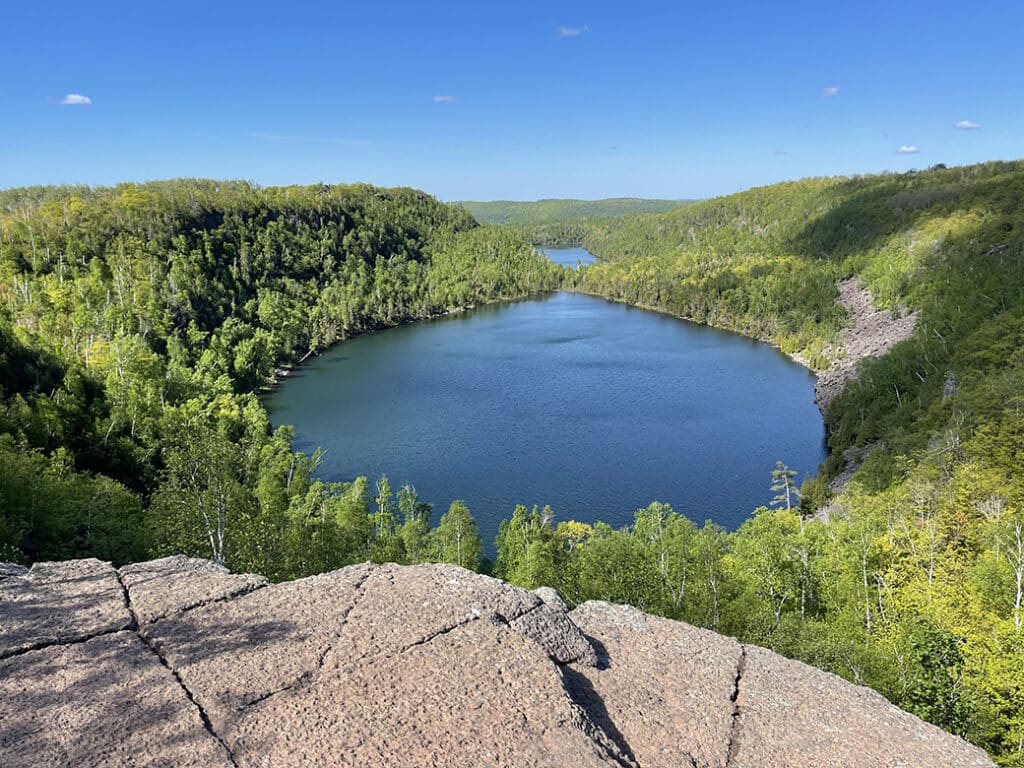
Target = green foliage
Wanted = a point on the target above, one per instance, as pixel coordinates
(934, 692)
(85, 515)
(137, 321)
(457, 539)
(528, 548)
(539, 211)
(562, 222)
(784, 483)
(415, 529)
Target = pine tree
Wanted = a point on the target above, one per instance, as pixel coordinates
(784, 484)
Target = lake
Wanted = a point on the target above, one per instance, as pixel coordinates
(569, 257)
(593, 407)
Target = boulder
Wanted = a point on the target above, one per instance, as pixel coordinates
(791, 714)
(665, 687)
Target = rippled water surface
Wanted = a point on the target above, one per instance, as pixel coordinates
(593, 407)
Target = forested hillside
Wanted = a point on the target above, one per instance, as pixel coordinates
(562, 222)
(911, 579)
(534, 211)
(137, 322)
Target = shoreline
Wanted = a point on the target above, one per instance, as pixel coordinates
(796, 357)
(283, 370)
(871, 333)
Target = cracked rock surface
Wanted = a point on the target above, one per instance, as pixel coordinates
(104, 702)
(232, 653)
(665, 686)
(60, 603)
(177, 662)
(170, 585)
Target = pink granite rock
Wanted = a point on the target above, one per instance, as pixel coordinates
(170, 585)
(790, 713)
(232, 653)
(665, 686)
(405, 666)
(104, 703)
(60, 603)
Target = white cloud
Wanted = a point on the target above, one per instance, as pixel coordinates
(74, 99)
(968, 125)
(832, 90)
(572, 31)
(445, 99)
(908, 149)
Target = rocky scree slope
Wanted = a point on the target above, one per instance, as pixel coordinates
(177, 662)
(872, 332)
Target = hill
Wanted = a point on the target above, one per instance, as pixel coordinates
(515, 212)
(138, 323)
(561, 222)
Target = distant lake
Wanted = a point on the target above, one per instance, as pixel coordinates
(569, 256)
(593, 407)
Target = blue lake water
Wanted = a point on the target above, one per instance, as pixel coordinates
(593, 407)
(569, 257)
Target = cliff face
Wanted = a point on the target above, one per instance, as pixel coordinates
(177, 662)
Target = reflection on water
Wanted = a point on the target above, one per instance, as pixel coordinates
(593, 407)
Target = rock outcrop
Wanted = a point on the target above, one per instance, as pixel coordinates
(177, 662)
(872, 333)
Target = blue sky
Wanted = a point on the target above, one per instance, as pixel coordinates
(506, 100)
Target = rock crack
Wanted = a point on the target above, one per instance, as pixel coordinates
(207, 724)
(733, 745)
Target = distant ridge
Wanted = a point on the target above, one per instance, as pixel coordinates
(516, 212)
